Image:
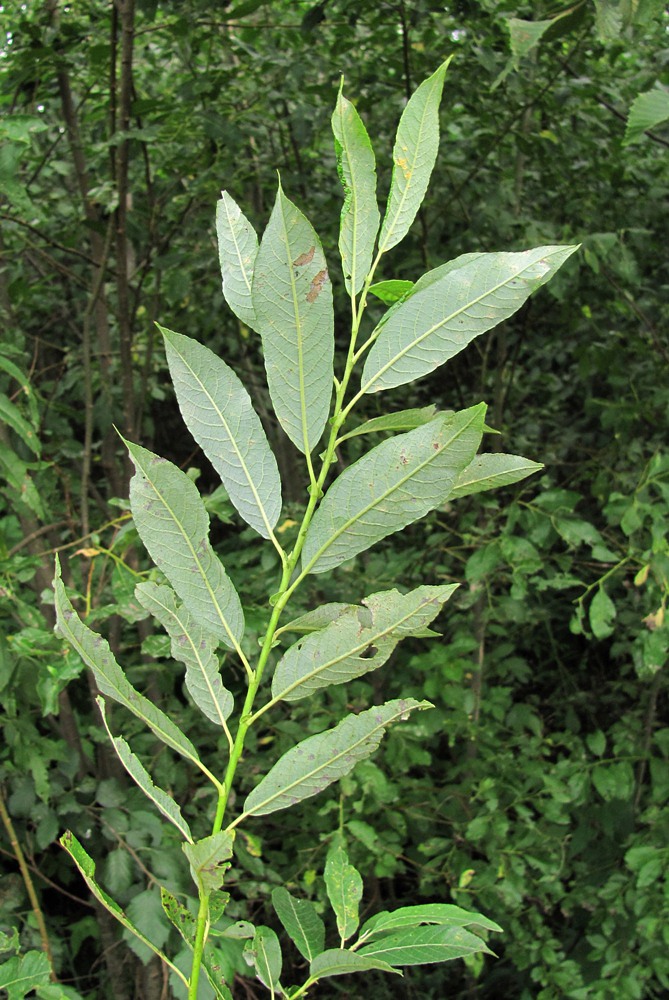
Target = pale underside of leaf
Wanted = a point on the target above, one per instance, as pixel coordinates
(301, 922)
(414, 156)
(217, 411)
(439, 319)
(344, 888)
(318, 761)
(424, 945)
(396, 483)
(110, 679)
(359, 640)
(360, 214)
(237, 251)
(133, 765)
(173, 524)
(292, 298)
(490, 471)
(192, 646)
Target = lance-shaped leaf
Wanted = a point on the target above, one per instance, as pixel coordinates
(11, 415)
(414, 155)
(209, 859)
(318, 618)
(359, 640)
(488, 472)
(292, 298)
(344, 888)
(173, 524)
(237, 251)
(445, 914)
(179, 915)
(360, 214)
(454, 305)
(110, 679)
(194, 647)
(301, 922)
(319, 760)
(217, 411)
(86, 866)
(339, 962)
(264, 954)
(391, 291)
(401, 420)
(423, 945)
(133, 765)
(396, 483)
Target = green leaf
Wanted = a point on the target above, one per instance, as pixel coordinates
(11, 415)
(488, 472)
(315, 763)
(292, 298)
(17, 474)
(24, 973)
(217, 411)
(414, 156)
(391, 291)
(344, 888)
(194, 647)
(602, 614)
(164, 802)
(264, 953)
(444, 914)
(86, 866)
(339, 962)
(359, 640)
(179, 916)
(525, 36)
(301, 922)
(402, 420)
(110, 679)
(237, 251)
(454, 305)
(396, 483)
(647, 111)
(423, 945)
(317, 619)
(208, 859)
(173, 524)
(146, 912)
(360, 214)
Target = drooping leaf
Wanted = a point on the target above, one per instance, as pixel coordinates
(237, 251)
(360, 214)
(602, 614)
(440, 318)
(110, 679)
(173, 524)
(12, 416)
(194, 647)
(525, 36)
(344, 888)
(414, 156)
(133, 765)
(17, 475)
(208, 859)
(423, 945)
(359, 640)
(391, 291)
(401, 420)
(339, 962)
(292, 298)
(647, 111)
(86, 866)
(217, 411)
(319, 760)
(488, 472)
(264, 954)
(396, 483)
(445, 914)
(301, 922)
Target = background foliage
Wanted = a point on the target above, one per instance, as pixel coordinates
(537, 790)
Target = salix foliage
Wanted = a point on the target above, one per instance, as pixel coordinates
(279, 286)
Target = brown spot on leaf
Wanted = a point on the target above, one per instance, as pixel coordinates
(316, 286)
(305, 258)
